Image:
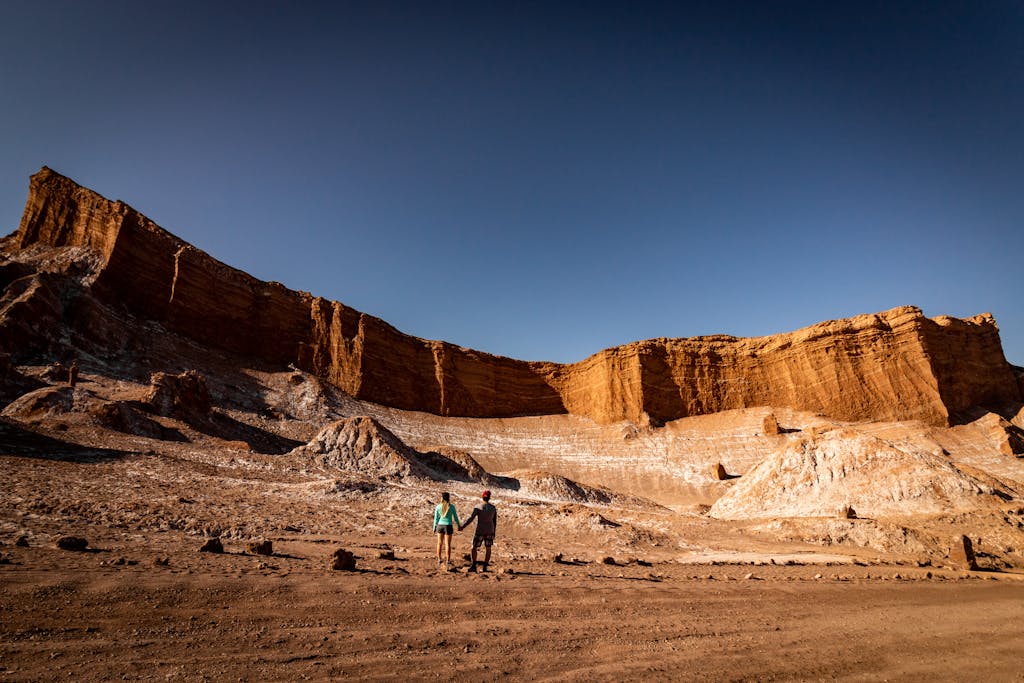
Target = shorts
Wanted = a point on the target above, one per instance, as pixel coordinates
(443, 529)
(486, 539)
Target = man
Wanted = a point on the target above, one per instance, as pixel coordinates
(486, 516)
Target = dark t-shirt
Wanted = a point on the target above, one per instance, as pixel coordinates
(486, 519)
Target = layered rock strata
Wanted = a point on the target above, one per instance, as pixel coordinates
(894, 365)
(846, 470)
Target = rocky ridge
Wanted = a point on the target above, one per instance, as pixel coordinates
(895, 365)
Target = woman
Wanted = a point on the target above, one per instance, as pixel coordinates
(445, 521)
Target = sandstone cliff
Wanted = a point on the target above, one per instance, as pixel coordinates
(895, 365)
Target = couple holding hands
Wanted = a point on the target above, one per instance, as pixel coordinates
(446, 519)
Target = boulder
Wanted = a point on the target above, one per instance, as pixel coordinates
(847, 512)
(212, 545)
(961, 553)
(718, 472)
(75, 543)
(125, 418)
(261, 548)
(770, 425)
(343, 560)
(184, 397)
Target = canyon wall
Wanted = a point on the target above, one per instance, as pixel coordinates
(894, 365)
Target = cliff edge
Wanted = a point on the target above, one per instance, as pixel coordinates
(895, 365)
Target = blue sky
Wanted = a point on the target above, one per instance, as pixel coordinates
(545, 180)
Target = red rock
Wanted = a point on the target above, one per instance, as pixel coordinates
(212, 545)
(261, 548)
(343, 560)
(896, 365)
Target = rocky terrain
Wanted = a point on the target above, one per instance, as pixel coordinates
(893, 365)
(709, 508)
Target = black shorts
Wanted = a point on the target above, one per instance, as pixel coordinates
(486, 539)
(443, 529)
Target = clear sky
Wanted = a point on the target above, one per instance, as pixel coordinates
(543, 180)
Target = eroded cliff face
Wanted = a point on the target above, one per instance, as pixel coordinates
(895, 365)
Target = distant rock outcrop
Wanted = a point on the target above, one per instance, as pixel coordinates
(557, 487)
(184, 397)
(363, 445)
(897, 365)
(845, 469)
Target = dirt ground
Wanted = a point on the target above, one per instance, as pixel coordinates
(113, 613)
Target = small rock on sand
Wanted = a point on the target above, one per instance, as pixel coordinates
(961, 554)
(343, 560)
(212, 545)
(261, 548)
(72, 543)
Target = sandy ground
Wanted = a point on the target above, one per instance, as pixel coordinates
(243, 617)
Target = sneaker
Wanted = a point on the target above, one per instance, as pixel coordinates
(472, 568)
(483, 567)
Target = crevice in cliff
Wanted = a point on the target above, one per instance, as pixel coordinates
(439, 365)
(174, 278)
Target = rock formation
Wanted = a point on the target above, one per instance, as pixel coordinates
(75, 543)
(342, 560)
(961, 553)
(817, 475)
(183, 396)
(361, 444)
(897, 365)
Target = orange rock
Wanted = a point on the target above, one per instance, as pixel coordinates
(896, 365)
(961, 553)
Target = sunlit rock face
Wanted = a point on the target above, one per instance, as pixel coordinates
(896, 365)
(826, 475)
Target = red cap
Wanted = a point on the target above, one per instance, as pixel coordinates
(485, 495)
